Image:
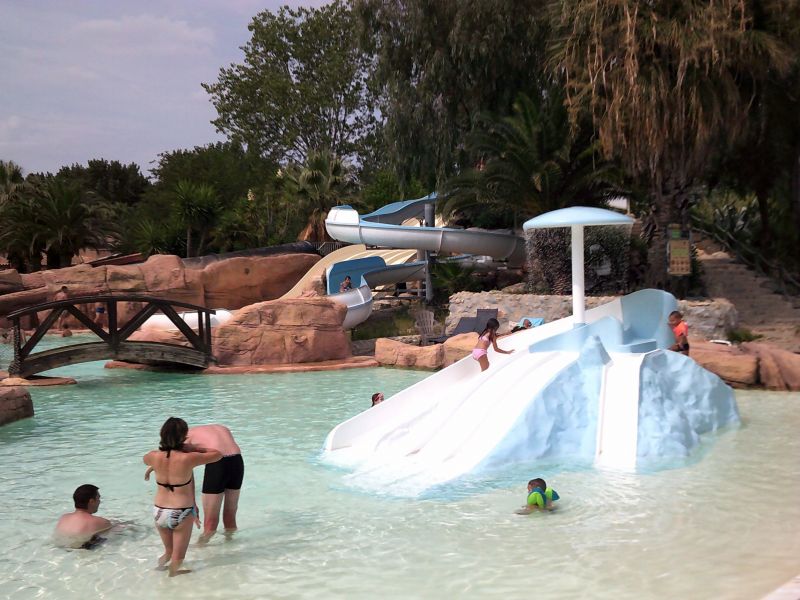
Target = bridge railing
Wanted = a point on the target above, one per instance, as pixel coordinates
(116, 334)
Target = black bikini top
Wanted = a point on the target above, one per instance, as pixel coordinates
(171, 487)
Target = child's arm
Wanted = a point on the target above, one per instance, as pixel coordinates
(498, 349)
(147, 473)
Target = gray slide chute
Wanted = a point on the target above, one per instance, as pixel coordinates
(384, 227)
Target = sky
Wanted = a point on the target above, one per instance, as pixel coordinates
(114, 79)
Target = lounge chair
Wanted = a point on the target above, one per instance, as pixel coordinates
(427, 327)
(469, 324)
(482, 317)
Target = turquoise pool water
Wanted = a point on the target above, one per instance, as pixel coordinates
(724, 525)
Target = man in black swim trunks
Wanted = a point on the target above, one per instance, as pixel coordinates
(222, 480)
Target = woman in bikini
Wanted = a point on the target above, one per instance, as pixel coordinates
(175, 508)
(489, 336)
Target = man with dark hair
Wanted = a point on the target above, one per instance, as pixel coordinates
(79, 529)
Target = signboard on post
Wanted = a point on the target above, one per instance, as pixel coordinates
(679, 251)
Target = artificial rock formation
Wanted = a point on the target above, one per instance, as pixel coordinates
(707, 319)
(229, 283)
(15, 404)
(297, 330)
(397, 354)
(730, 363)
(459, 346)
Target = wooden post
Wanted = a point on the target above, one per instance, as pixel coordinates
(15, 368)
(111, 308)
(207, 317)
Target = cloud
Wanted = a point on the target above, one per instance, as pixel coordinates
(117, 80)
(143, 35)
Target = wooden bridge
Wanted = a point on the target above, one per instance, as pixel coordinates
(113, 342)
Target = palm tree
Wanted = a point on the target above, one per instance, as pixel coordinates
(11, 181)
(67, 221)
(320, 184)
(54, 217)
(18, 226)
(530, 162)
(198, 208)
(666, 84)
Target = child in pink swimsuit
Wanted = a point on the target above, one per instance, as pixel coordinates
(488, 336)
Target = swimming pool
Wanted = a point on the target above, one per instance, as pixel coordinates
(725, 525)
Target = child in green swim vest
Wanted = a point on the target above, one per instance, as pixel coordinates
(540, 497)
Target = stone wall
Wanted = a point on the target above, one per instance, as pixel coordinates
(15, 404)
(708, 319)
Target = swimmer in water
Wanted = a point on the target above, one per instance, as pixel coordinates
(80, 529)
(540, 497)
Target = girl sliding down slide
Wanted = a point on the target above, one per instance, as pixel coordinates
(488, 336)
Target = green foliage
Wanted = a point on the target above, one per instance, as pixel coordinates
(162, 237)
(321, 183)
(198, 208)
(302, 85)
(58, 218)
(450, 278)
(385, 187)
(227, 167)
(111, 181)
(529, 163)
(439, 64)
(663, 84)
(11, 181)
(742, 334)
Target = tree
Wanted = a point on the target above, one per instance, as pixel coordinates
(384, 187)
(198, 208)
(530, 163)
(11, 181)
(57, 218)
(441, 63)
(68, 221)
(18, 225)
(226, 166)
(111, 181)
(302, 85)
(665, 83)
(321, 183)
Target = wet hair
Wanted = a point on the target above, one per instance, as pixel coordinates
(347, 276)
(528, 321)
(675, 313)
(83, 494)
(538, 482)
(173, 434)
(375, 396)
(63, 288)
(492, 325)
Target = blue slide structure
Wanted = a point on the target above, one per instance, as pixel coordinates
(385, 228)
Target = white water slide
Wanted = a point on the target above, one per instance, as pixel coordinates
(460, 419)
(389, 227)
